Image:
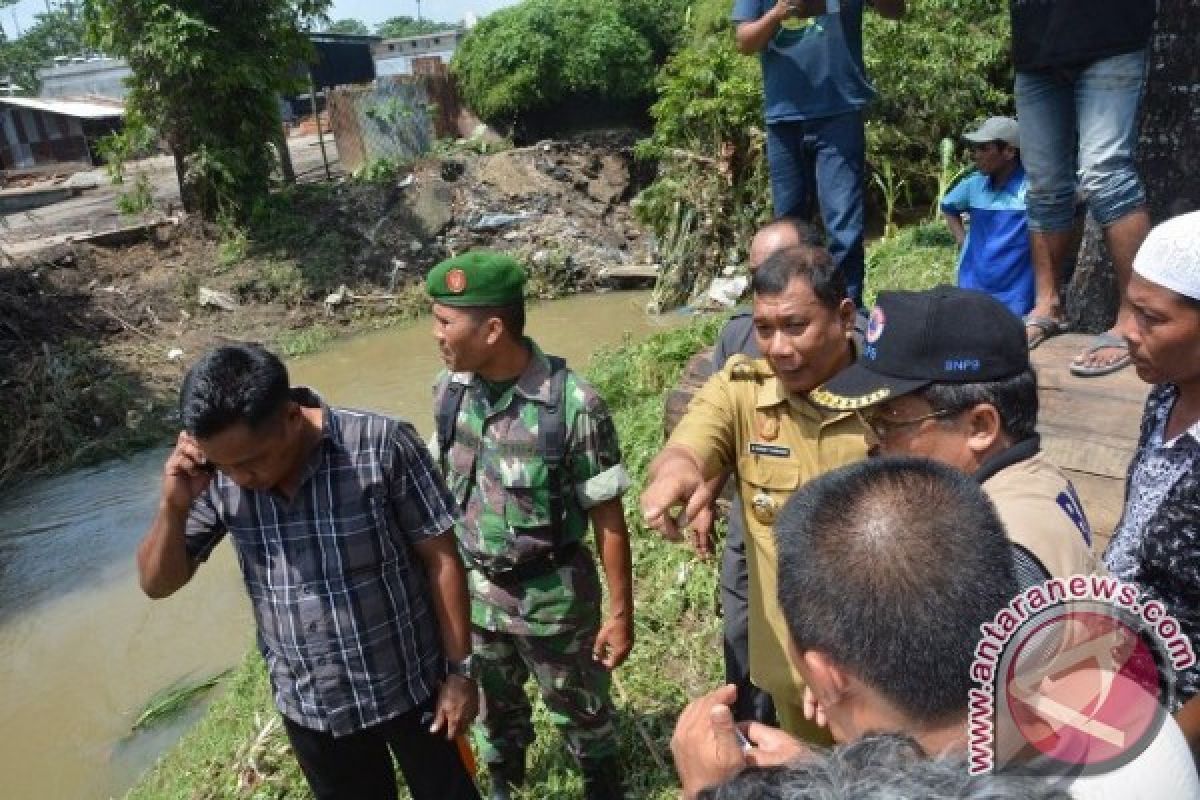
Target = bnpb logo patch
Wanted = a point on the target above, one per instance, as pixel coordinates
(875, 324)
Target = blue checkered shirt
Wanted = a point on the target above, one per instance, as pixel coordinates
(343, 607)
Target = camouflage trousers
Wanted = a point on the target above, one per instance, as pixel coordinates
(574, 687)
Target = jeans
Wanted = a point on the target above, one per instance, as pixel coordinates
(1078, 130)
(822, 160)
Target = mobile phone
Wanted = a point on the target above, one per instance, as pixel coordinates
(742, 740)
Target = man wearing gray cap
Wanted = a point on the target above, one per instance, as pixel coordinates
(995, 254)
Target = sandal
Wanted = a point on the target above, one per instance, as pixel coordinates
(1103, 341)
(1044, 328)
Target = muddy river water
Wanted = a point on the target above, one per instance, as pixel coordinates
(82, 650)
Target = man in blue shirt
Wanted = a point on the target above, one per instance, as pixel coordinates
(815, 86)
(995, 258)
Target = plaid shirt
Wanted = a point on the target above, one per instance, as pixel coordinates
(345, 620)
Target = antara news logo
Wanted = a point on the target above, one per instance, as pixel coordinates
(1073, 677)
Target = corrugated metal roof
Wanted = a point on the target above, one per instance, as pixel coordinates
(67, 108)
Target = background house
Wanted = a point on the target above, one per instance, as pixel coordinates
(43, 132)
(97, 76)
(416, 54)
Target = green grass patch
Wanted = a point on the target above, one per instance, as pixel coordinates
(917, 257)
(238, 750)
(304, 341)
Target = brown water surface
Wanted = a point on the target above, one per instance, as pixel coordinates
(82, 650)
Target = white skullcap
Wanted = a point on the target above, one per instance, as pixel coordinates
(1170, 256)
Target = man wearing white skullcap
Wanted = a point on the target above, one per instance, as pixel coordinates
(1157, 544)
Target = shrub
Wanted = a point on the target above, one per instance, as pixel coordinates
(534, 55)
(941, 69)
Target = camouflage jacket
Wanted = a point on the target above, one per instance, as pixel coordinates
(495, 473)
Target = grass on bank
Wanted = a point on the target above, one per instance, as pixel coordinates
(70, 405)
(917, 257)
(236, 753)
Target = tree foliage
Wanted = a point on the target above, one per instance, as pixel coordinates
(708, 114)
(399, 27)
(942, 68)
(206, 75)
(59, 32)
(351, 26)
(534, 55)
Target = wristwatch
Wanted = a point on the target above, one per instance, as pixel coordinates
(466, 668)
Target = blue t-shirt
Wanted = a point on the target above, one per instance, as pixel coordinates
(996, 257)
(812, 67)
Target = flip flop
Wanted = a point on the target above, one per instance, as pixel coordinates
(1045, 328)
(1106, 340)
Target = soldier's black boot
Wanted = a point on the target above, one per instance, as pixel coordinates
(602, 779)
(506, 776)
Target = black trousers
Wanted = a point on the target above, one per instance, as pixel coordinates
(752, 703)
(359, 766)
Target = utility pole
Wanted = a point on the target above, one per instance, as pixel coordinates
(312, 88)
(418, 10)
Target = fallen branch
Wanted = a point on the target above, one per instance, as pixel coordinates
(688, 155)
(127, 326)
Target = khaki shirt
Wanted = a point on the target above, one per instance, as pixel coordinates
(1041, 512)
(743, 420)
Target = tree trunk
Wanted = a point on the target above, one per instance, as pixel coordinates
(285, 156)
(187, 196)
(1168, 157)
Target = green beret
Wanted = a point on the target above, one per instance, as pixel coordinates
(477, 278)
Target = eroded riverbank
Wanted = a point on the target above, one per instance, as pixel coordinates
(95, 337)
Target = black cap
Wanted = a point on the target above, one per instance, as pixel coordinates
(913, 339)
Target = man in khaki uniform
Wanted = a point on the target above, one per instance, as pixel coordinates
(945, 374)
(754, 419)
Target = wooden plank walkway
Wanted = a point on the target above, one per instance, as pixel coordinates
(1089, 428)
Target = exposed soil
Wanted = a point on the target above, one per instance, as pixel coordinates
(122, 322)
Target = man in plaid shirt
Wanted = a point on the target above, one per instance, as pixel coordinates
(345, 537)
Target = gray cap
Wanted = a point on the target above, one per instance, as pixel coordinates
(996, 129)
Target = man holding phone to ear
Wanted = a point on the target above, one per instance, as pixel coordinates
(345, 536)
(815, 86)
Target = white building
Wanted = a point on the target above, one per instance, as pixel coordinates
(406, 56)
(77, 77)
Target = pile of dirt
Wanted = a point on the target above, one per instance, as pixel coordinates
(561, 206)
(333, 257)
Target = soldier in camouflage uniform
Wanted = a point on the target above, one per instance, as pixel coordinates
(527, 502)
